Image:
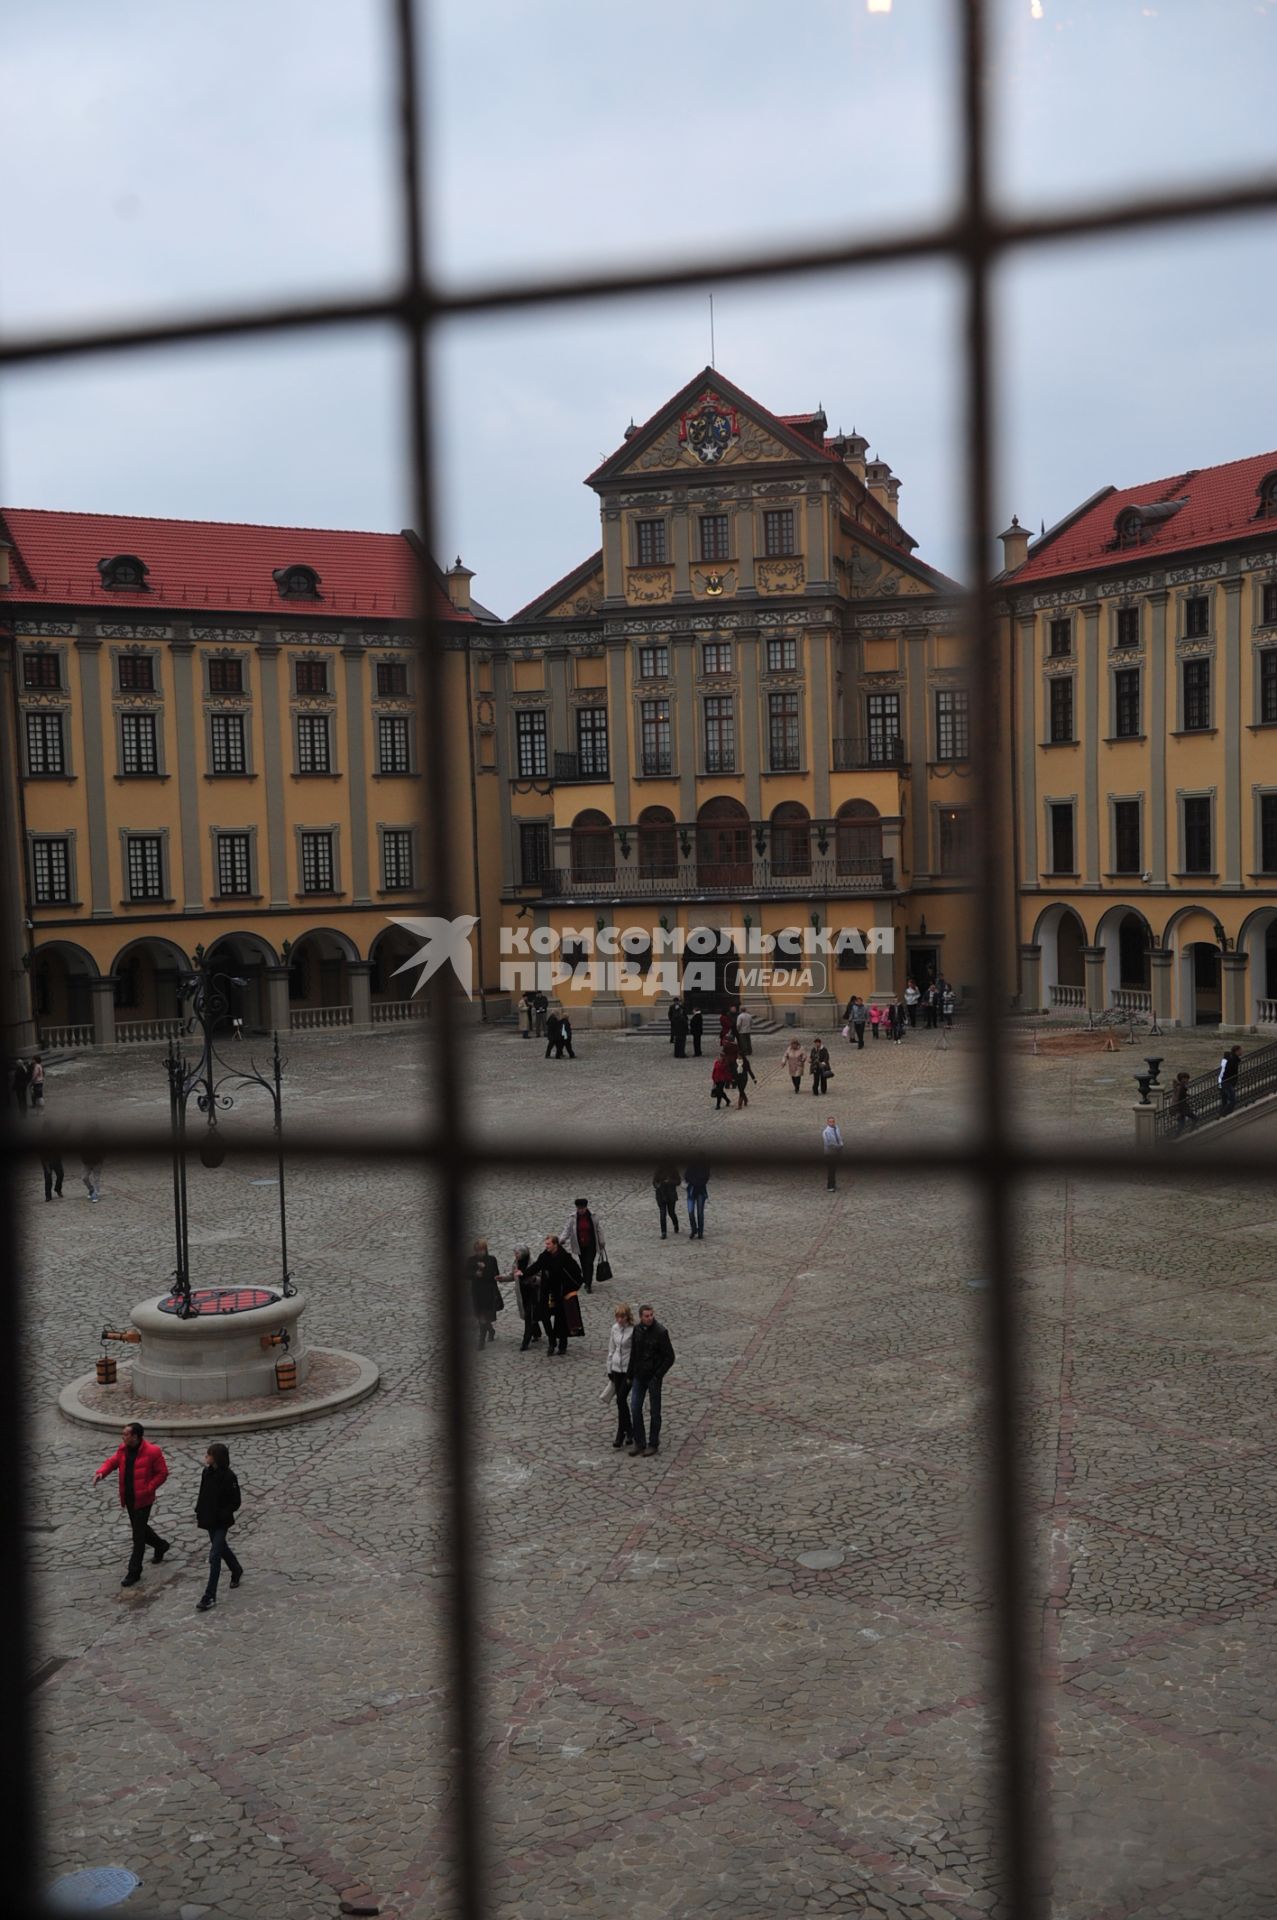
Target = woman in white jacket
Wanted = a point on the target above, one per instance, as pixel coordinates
(619, 1342)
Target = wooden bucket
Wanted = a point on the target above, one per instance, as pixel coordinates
(286, 1375)
(106, 1370)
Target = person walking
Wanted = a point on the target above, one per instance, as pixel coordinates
(727, 1024)
(948, 1003)
(875, 1019)
(859, 1017)
(900, 1019)
(553, 1036)
(1181, 1105)
(744, 1074)
(92, 1154)
(651, 1357)
(36, 1071)
(50, 1162)
(527, 1292)
(218, 1502)
(696, 1027)
(142, 1471)
(819, 1066)
(723, 1078)
(1229, 1071)
(560, 1277)
(526, 1007)
(931, 1005)
(665, 1183)
(565, 1037)
(678, 1030)
(745, 1031)
(485, 1291)
(912, 997)
(832, 1137)
(583, 1239)
(540, 1009)
(795, 1061)
(19, 1081)
(620, 1341)
(696, 1182)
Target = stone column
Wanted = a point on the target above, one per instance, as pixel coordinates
(359, 973)
(1094, 958)
(182, 653)
(681, 550)
(1160, 963)
(277, 993)
(357, 772)
(1030, 979)
(1234, 966)
(96, 733)
(1089, 826)
(883, 965)
(102, 991)
(893, 832)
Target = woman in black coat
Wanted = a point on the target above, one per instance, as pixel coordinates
(215, 1510)
(485, 1292)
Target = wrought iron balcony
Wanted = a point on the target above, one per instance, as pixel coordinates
(877, 750)
(571, 766)
(720, 879)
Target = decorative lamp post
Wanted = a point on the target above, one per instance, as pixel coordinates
(209, 1079)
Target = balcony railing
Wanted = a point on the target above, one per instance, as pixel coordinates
(1133, 999)
(572, 766)
(1266, 1013)
(730, 879)
(657, 763)
(720, 760)
(1068, 996)
(312, 1019)
(885, 750)
(67, 1037)
(390, 1012)
(129, 1032)
(1256, 1079)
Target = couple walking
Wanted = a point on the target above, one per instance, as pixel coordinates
(141, 1471)
(638, 1359)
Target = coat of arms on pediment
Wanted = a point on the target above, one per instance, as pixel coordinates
(708, 429)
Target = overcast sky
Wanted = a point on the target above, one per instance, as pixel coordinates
(163, 156)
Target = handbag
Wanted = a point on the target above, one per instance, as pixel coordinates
(604, 1269)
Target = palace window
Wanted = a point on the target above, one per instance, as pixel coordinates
(715, 531)
(1197, 835)
(392, 679)
(782, 733)
(1062, 837)
(651, 543)
(225, 676)
(296, 583)
(1267, 832)
(955, 840)
(1128, 626)
(51, 871)
(720, 735)
(226, 732)
(1126, 703)
(312, 676)
(313, 747)
(123, 573)
(782, 656)
(317, 863)
(1268, 604)
(137, 672)
(1268, 686)
(394, 744)
(1196, 617)
(716, 656)
(45, 750)
(656, 752)
(145, 866)
(234, 864)
(778, 532)
(1061, 640)
(591, 742)
(1127, 850)
(531, 745)
(396, 859)
(139, 743)
(534, 851)
(883, 714)
(42, 672)
(1196, 695)
(654, 663)
(1061, 710)
(953, 724)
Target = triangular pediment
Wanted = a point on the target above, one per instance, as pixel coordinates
(871, 570)
(710, 424)
(574, 597)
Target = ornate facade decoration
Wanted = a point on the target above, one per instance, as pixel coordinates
(649, 583)
(779, 576)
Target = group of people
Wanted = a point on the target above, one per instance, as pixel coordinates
(141, 1470)
(555, 1028)
(1227, 1079)
(26, 1083)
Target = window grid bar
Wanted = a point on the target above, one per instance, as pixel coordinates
(974, 240)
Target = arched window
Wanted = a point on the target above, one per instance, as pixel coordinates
(593, 858)
(657, 844)
(858, 835)
(296, 583)
(1268, 497)
(791, 839)
(1129, 527)
(723, 858)
(123, 573)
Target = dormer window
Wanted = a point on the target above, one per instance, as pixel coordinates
(1130, 526)
(123, 573)
(296, 583)
(1268, 498)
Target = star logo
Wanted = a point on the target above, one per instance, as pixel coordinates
(443, 940)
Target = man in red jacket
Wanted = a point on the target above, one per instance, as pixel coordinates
(142, 1470)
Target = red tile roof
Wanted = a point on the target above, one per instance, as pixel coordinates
(1220, 506)
(204, 566)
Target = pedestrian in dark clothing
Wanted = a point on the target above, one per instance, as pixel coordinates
(651, 1357)
(678, 1030)
(727, 1024)
(583, 1239)
(931, 1006)
(553, 1036)
(215, 1509)
(696, 1181)
(696, 1027)
(527, 1292)
(560, 1277)
(1181, 1105)
(142, 1471)
(51, 1163)
(1229, 1069)
(19, 1081)
(723, 1078)
(540, 1008)
(744, 1074)
(485, 1291)
(819, 1067)
(565, 1038)
(857, 1017)
(665, 1182)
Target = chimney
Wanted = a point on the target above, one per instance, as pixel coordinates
(855, 447)
(457, 580)
(1015, 545)
(4, 563)
(878, 478)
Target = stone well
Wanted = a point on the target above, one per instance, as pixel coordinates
(218, 1353)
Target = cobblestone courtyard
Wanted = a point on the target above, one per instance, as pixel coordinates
(748, 1676)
